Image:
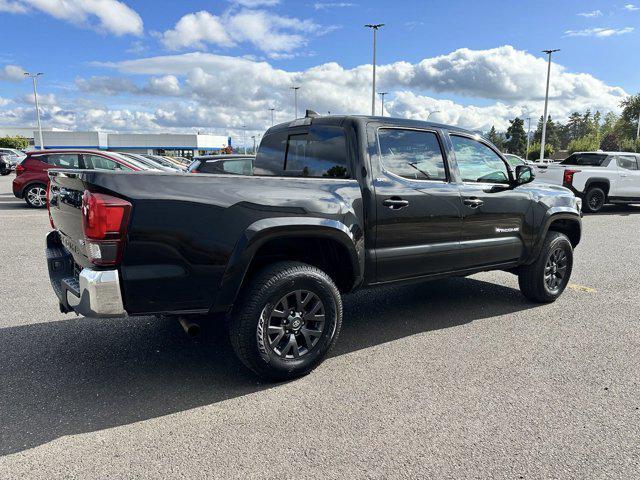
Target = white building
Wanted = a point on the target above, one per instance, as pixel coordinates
(178, 143)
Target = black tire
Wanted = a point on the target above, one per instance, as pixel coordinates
(254, 342)
(33, 195)
(594, 200)
(5, 171)
(533, 278)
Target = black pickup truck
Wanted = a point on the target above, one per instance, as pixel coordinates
(332, 204)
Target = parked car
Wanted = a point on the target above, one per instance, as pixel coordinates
(153, 164)
(163, 161)
(219, 164)
(15, 156)
(334, 204)
(597, 177)
(5, 164)
(31, 179)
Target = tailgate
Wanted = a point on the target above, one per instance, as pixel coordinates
(65, 206)
(553, 174)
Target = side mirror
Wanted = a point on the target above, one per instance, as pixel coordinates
(524, 174)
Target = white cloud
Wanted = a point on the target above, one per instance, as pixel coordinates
(510, 81)
(12, 6)
(592, 14)
(631, 7)
(599, 32)
(112, 16)
(167, 85)
(255, 3)
(12, 73)
(264, 30)
(332, 5)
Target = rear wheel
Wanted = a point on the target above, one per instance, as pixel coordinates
(594, 200)
(545, 279)
(36, 195)
(286, 321)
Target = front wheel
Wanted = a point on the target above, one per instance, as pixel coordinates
(544, 280)
(36, 196)
(286, 321)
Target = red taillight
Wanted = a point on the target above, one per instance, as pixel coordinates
(567, 178)
(104, 222)
(20, 169)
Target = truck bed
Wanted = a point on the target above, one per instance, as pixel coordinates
(185, 228)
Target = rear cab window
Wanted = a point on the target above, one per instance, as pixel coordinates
(233, 166)
(317, 152)
(585, 159)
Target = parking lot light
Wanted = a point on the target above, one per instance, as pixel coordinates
(375, 28)
(33, 77)
(546, 104)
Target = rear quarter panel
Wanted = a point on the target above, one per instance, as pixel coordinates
(184, 228)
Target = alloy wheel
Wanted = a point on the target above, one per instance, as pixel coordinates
(596, 200)
(37, 196)
(295, 324)
(555, 269)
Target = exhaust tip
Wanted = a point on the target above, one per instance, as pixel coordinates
(191, 329)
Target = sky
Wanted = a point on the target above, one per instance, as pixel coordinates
(214, 66)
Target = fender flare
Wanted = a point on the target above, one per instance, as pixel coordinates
(553, 214)
(592, 180)
(262, 231)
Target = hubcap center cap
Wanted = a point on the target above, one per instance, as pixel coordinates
(295, 322)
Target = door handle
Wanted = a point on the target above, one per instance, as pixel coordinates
(395, 203)
(624, 175)
(473, 202)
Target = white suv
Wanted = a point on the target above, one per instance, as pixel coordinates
(597, 177)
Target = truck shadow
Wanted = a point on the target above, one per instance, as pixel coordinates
(80, 375)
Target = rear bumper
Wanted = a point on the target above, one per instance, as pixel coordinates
(92, 293)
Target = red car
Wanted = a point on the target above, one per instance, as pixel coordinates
(32, 180)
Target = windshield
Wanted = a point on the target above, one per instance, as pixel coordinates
(130, 161)
(514, 160)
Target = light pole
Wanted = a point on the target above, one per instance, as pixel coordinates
(546, 104)
(253, 137)
(638, 133)
(295, 89)
(526, 153)
(272, 110)
(430, 113)
(382, 94)
(244, 138)
(375, 28)
(35, 97)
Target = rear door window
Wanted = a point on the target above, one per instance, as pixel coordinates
(412, 154)
(628, 162)
(64, 160)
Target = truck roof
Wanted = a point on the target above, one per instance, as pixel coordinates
(600, 152)
(363, 119)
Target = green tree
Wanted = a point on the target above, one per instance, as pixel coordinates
(516, 137)
(628, 124)
(17, 142)
(553, 134)
(610, 143)
(534, 151)
(494, 137)
(588, 143)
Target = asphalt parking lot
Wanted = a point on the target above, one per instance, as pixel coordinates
(460, 378)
